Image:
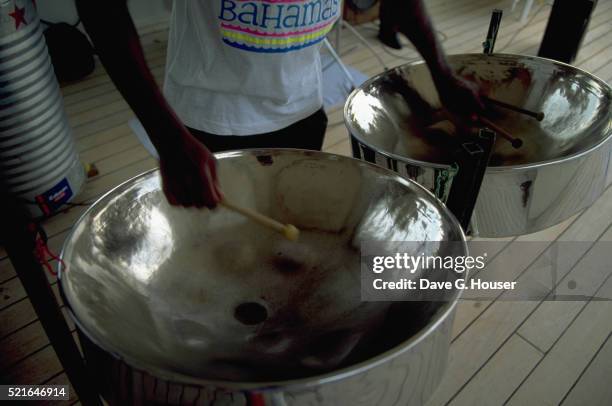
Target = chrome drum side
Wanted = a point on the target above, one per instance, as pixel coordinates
(560, 169)
(513, 202)
(159, 292)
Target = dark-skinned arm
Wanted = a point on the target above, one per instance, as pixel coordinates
(410, 17)
(188, 169)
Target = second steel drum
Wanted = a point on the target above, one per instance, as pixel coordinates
(560, 169)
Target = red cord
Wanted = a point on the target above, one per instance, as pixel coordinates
(256, 399)
(42, 251)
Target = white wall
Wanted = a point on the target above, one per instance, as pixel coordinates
(144, 12)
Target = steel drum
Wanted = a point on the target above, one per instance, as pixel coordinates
(560, 169)
(187, 306)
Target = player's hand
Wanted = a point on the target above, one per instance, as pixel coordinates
(189, 174)
(461, 98)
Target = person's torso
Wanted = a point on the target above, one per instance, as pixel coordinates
(243, 67)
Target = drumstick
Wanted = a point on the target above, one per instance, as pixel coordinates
(516, 142)
(289, 231)
(538, 115)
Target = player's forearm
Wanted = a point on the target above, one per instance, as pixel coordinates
(114, 37)
(417, 26)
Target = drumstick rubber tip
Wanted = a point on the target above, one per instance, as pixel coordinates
(291, 232)
(539, 116)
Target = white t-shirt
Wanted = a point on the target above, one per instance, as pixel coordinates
(246, 66)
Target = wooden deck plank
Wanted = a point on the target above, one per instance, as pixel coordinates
(21, 344)
(588, 275)
(121, 116)
(477, 344)
(100, 138)
(562, 366)
(500, 319)
(21, 314)
(605, 73)
(468, 40)
(506, 265)
(590, 56)
(341, 148)
(528, 41)
(10, 292)
(593, 388)
(496, 381)
(25, 341)
(551, 318)
(37, 369)
(60, 379)
(6, 271)
(91, 96)
(584, 227)
(109, 149)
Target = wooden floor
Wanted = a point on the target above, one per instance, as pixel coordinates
(523, 353)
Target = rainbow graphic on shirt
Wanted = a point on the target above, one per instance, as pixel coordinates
(273, 26)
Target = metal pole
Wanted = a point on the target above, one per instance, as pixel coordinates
(494, 24)
(19, 241)
(472, 159)
(566, 28)
(339, 62)
(364, 42)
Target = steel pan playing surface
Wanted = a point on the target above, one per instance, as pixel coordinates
(207, 295)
